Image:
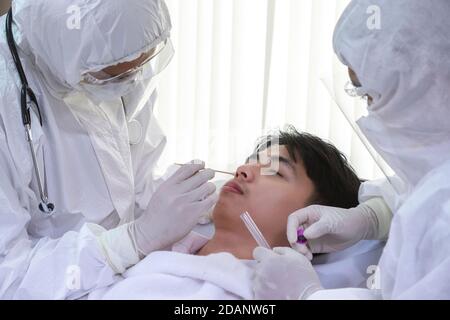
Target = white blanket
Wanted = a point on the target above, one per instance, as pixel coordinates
(174, 275)
(180, 275)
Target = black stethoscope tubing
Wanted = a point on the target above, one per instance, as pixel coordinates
(28, 99)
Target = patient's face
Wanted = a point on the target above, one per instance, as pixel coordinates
(269, 199)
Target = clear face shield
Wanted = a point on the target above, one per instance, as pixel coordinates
(353, 102)
(119, 80)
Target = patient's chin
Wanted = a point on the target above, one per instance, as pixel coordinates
(226, 207)
(229, 199)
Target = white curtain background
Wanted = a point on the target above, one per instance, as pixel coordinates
(244, 67)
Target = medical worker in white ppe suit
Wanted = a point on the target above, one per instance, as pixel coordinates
(96, 148)
(404, 68)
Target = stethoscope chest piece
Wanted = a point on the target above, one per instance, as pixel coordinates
(47, 208)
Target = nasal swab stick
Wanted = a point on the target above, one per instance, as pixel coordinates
(218, 171)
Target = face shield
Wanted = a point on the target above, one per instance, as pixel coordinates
(353, 101)
(356, 92)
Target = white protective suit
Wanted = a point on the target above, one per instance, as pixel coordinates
(95, 178)
(405, 66)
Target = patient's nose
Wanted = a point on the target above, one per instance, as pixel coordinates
(245, 173)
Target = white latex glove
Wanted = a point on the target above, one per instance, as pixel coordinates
(175, 208)
(208, 216)
(329, 229)
(283, 274)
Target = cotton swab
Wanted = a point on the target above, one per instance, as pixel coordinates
(218, 171)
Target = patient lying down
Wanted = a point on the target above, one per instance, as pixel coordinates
(305, 171)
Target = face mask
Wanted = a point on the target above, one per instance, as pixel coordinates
(109, 91)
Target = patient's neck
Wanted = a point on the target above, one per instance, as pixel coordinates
(229, 241)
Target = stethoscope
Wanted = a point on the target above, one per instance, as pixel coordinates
(28, 100)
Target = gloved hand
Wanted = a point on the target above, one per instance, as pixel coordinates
(175, 208)
(208, 216)
(329, 229)
(283, 274)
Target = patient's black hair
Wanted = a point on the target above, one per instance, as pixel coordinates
(335, 180)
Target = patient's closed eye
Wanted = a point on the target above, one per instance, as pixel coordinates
(276, 172)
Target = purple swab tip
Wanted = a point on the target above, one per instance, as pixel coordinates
(300, 237)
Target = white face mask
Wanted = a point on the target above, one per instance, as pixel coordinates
(109, 91)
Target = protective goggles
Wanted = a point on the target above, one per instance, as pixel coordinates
(153, 62)
(354, 91)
